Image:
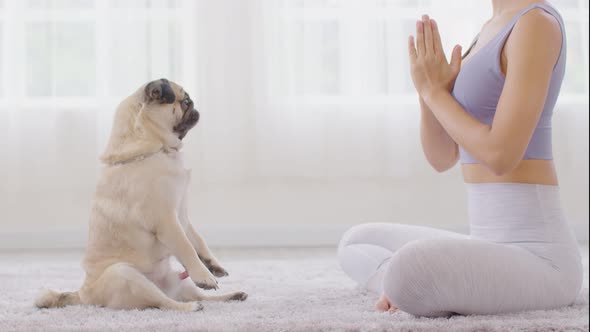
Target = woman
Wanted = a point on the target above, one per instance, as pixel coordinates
(493, 112)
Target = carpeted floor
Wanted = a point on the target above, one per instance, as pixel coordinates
(290, 290)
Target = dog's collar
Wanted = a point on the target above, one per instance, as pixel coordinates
(135, 159)
(167, 151)
(183, 275)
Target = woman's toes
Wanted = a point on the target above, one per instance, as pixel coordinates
(382, 305)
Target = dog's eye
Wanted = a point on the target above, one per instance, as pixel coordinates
(186, 104)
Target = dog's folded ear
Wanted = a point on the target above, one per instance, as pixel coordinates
(159, 91)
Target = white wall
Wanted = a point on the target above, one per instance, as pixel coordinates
(267, 211)
(48, 165)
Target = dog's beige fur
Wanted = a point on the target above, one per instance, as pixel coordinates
(139, 216)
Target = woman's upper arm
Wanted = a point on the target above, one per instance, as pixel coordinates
(531, 52)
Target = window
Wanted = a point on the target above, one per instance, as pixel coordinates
(354, 51)
(77, 54)
(82, 54)
(575, 86)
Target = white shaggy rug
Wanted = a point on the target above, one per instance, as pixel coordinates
(290, 290)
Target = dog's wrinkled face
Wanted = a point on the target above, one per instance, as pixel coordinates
(170, 105)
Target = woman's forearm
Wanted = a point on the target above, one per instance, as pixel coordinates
(475, 137)
(439, 148)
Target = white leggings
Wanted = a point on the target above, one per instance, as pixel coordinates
(521, 255)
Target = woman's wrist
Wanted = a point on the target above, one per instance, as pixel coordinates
(422, 102)
(432, 95)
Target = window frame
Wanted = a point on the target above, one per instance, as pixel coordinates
(350, 17)
(15, 15)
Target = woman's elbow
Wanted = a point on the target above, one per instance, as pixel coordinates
(443, 165)
(501, 163)
(441, 168)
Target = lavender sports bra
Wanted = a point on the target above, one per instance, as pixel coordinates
(479, 85)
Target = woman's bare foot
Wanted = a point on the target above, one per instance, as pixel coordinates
(384, 304)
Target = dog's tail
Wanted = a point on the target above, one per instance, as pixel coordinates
(52, 299)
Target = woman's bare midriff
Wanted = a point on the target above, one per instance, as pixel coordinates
(528, 171)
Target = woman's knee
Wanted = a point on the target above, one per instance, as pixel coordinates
(411, 282)
(401, 281)
(352, 236)
(358, 255)
(359, 234)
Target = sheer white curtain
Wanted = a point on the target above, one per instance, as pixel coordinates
(338, 100)
(309, 120)
(64, 65)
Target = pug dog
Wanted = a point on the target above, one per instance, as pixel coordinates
(139, 219)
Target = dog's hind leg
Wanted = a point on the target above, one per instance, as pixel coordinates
(121, 286)
(189, 292)
(185, 290)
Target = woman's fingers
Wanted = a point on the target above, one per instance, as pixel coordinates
(428, 43)
(412, 49)
(456, 60)
(438, 48)
(420, 38)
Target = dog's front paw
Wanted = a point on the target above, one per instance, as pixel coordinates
(214, 267)
(206, 282)
(218, 271)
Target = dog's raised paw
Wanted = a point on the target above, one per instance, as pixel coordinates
(218, 271)
(207, 281)
(206, 285)
(239, 296)
(214, 267)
